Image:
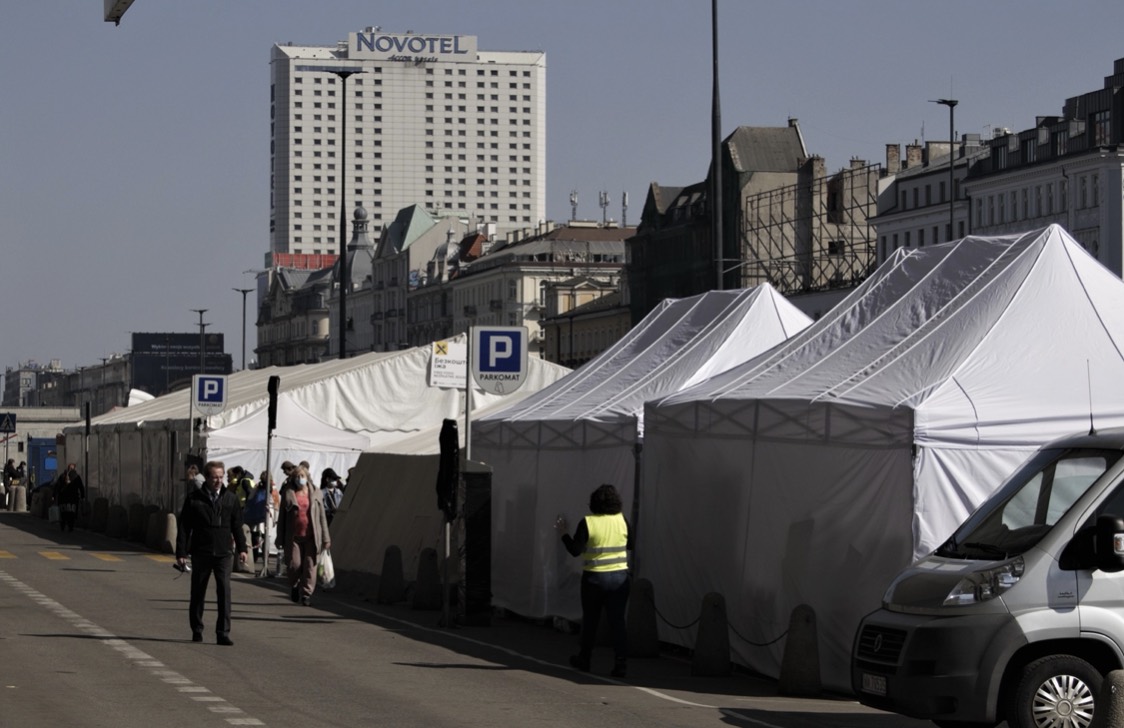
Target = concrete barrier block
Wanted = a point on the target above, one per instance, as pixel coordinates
(800, 666)
(392, 581)
(17, 498)
(99, 515)
(643, 631)
(427, 588)
(117, 522)
(712, 645)
(168, 540)
(1110, 702)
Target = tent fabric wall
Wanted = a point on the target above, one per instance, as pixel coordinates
(551, 450)
(390, 501)
(925, 386)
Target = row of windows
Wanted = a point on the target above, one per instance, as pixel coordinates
(1037, 201)
(319, 240)
(921, 236)
(915, 194)
(331, 80)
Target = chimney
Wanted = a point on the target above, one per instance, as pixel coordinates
(893, 159)
(912, 156)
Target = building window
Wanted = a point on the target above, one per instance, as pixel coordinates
(1061, 142)
(1100, 128)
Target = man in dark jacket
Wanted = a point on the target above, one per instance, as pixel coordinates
(210, 521)
(69, 492)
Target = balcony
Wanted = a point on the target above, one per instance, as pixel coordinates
(495, 305)
(470, 311)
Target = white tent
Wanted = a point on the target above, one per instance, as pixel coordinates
(391, 500)
(815, 472)
(137, 452)
(298, 436)
(552, 449)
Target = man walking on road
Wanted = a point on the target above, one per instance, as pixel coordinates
(209, 523)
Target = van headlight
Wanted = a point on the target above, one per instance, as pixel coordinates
(987, 584)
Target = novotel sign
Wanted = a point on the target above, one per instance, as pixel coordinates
(411, 47)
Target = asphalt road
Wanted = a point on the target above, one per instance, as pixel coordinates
(93, 632)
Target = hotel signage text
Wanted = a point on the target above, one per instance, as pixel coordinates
(412, 47)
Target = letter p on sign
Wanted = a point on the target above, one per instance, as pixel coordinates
(499, 348)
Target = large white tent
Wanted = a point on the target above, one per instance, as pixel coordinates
(298, 436)
(136, 453)
(551, 450)
(815, 472)
(391, 500)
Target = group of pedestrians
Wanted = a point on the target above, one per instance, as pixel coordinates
(218, 526)
(13, 475)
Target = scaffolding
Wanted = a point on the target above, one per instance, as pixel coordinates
(814, 235)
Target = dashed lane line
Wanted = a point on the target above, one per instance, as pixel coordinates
(201, 695)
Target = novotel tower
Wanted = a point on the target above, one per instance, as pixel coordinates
(400, 119)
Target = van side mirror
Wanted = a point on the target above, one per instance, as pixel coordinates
(1110, 543)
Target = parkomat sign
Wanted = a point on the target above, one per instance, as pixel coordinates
(411, 47)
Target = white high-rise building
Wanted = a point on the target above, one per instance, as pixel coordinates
(422, 119)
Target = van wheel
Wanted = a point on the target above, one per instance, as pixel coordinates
(1057, 691)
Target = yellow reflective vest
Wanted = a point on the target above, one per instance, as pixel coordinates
(606, 548)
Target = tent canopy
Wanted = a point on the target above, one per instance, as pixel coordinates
(831, 461)
(551, 450)
(298, 436)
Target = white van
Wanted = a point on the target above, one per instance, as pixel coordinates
(1020, 614)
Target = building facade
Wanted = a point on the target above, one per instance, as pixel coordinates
(785, 221)
(293, 318)
(915, 208)
(392, 120)
(591, 319)
(1066, 169)
(510, 285)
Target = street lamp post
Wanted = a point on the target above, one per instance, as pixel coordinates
(202, 341)
(342, 74)
(243, 291)
(951, 104)
(716, 152)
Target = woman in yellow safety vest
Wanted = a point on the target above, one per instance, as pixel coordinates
(602, 539)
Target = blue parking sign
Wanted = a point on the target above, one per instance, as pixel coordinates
(209, 393)
(499, 358)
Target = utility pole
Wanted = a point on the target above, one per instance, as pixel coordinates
(243, 291)
(202, 341)
(951, 104)
(716, 153)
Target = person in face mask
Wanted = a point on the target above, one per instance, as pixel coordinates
(302, 533)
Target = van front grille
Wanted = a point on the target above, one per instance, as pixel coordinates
(881, 644)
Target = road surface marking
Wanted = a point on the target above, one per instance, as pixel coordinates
(127, 650)
(54, 556)
(105, 557)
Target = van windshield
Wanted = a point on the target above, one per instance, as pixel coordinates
(1039, 493)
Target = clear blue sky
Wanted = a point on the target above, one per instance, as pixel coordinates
(134, 160)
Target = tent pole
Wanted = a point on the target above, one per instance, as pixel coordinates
(468, 401)
(268, 538)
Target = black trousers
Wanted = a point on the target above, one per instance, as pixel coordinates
(203, 566)
(607, 591)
